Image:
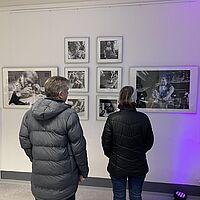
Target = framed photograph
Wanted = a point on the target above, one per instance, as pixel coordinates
(22, 86)
(109, 79)
(80, 105)
(105, 106)
(109, 49)
(165, 89)
(78, 77)
(76, 49)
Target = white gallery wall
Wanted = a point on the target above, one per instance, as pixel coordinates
(153, 35)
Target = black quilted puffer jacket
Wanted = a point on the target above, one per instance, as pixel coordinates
(126, 138)
(52, 137)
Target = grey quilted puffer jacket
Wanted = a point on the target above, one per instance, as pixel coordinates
(52, 138)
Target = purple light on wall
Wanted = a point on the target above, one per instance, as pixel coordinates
(185, 155)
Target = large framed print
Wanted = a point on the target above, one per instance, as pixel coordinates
(109, 49)
(165, 89)
(80, 105)
(78, 77)
(109, 79)
(22, 86)
(106, 105)
(76, 49)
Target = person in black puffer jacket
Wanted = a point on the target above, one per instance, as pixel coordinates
(126, 138)
(52, 137)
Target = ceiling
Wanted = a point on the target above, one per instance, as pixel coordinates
(10, 3)
(7, 3)
(34, 5)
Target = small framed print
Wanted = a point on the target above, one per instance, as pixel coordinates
(106, 105)
(80, 105)
(109, 49)
(165, 89)
(22, 86)
(109, 79)
(78, 77)
(76, 49)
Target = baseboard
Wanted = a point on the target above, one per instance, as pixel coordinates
(192, 190)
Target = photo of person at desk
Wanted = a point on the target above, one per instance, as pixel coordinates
(23, 87)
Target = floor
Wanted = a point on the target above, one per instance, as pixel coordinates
(20, 190)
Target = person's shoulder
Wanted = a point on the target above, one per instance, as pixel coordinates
(69, 109)
(71, 112)
(113, 115)
(27, 114)
(142, 114)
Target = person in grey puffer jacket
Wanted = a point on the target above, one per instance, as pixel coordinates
(52, 137)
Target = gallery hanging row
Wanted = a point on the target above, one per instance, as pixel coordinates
(159, 89)
(109, 49)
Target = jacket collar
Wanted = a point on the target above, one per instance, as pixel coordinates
(57, 100)
(131, 106)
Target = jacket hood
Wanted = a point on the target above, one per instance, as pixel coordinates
(44, 109)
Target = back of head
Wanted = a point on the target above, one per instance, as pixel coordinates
(54, 85)
(127, 95)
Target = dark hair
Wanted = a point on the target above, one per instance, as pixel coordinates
(54, 85)
(125, 95)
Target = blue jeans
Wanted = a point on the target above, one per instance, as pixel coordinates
(134, 186)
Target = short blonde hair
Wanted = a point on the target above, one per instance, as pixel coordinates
(54, 85)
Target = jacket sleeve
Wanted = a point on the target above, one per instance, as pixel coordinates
(149, 137)
(24, 138)
(78, 144)
(107, 138)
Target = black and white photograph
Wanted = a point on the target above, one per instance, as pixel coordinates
(80, 105)
(165, 89)
(78, 77)
(23, 86)
(109, 79)
(106, 105)
(76, 50)
(109, 49)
